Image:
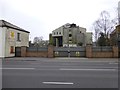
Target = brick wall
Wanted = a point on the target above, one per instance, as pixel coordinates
(89, 53)
(25, 53)
(37, 54)
(115, 51)
(104, 54)
(50, 51)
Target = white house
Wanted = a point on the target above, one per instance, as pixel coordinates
(11, 36)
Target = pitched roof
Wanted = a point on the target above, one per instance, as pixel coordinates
(4, 23)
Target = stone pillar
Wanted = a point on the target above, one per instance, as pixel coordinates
(115, 51)
(23, 51)
(89, 51)
(50, 51)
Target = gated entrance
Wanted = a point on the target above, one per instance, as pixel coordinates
(69, 51)
(17, 51)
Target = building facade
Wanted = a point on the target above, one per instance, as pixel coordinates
(11, 36)
(114, 36)
(71, 35)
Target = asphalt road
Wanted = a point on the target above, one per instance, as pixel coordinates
(59, 73)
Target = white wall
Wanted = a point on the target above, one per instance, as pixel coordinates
(2, 42)
(12, 41)
(24, 37)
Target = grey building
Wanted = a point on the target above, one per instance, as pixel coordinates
(71, 35)
(114, 36)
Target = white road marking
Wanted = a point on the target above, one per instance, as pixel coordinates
(70, 58)
(113, 63)
(19, 68)
(87, 69)
(64, 83)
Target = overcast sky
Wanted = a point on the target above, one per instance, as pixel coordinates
(41, 17)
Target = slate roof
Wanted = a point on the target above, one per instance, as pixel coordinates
(4, 23)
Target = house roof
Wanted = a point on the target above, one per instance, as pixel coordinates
(4, 23)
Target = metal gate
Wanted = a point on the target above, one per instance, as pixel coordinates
(17, 51)
(69, 52)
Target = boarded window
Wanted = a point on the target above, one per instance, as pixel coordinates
(12, 49)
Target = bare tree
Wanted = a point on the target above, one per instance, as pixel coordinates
(37, 41)
(96, 29)
(104, 24)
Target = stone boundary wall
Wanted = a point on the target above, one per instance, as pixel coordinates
(101, 54)
(89, 53)
(27, 53)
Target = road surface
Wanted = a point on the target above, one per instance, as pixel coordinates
(59, 73)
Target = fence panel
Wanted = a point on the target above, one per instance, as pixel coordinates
(37, 49)
(102, 49)
(70, 51)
